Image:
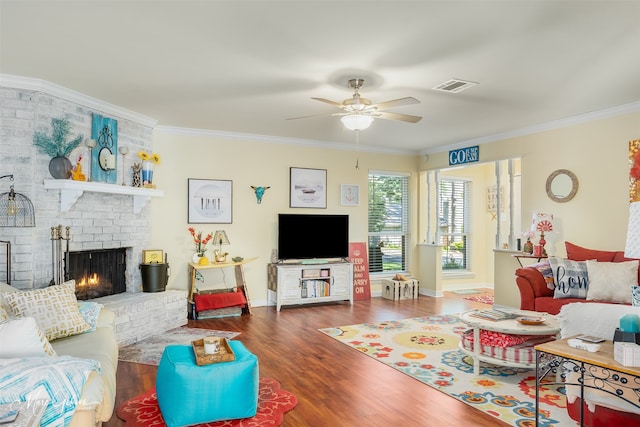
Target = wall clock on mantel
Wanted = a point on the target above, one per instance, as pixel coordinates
(103, 157)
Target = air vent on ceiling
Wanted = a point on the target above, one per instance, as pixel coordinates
(454, 86)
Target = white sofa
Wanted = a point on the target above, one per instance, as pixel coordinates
(96, 402)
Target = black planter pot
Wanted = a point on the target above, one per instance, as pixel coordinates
(60, 167)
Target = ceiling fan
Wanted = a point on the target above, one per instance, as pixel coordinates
(358, 113)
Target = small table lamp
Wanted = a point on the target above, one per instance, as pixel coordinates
(220, 238)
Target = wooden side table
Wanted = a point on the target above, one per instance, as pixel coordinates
(557, 355)
(239, 276)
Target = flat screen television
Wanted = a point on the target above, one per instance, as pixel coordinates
(309, 236)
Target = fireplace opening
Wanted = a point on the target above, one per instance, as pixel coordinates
(98, 273)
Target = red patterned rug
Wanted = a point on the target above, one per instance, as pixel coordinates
(485, 299)
(273, 402)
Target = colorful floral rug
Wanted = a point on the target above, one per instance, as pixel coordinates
(485, 299)
(273, 402)
(149, 351)
(426, 348)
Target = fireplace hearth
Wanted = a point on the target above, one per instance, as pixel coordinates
(98, 273)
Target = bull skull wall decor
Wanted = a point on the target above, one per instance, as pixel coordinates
(259, 192)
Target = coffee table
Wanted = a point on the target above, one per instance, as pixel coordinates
(508, 326)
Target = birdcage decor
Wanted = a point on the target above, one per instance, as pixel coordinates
(16, 210)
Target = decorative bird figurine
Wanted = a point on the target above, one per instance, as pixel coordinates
(259, 192)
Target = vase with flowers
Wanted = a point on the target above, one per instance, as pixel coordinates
(201, 246)
(148, 160)
(527, 248)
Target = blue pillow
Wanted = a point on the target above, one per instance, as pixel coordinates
(90, 312)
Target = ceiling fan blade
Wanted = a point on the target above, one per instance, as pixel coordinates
(330, 102)
(395, 116)
(396, 103)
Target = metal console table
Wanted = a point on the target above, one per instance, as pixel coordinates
(598, 371)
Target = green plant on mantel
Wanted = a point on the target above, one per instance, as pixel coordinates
(55, 144)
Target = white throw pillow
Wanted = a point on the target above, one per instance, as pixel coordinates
(612, 281)
(22, 338)
(55, 309)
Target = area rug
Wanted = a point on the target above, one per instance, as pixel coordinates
(273, 402)
(485, 299)
(426, 348)
(149, 351)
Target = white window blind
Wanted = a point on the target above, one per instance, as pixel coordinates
(388, 222)
(454, 210)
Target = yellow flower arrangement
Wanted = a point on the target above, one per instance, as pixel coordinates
(144, 156)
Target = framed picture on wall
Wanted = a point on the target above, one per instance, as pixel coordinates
(210, 201)
(349, 195)
(308, 188)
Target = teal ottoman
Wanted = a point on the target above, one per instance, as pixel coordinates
(191, 394)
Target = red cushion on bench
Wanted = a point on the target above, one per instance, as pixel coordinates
(221, 300)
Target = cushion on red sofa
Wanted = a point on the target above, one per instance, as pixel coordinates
(578, 253)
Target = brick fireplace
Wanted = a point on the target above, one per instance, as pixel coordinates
(97, 220)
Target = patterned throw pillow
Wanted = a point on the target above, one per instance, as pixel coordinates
(635, 296)
(90, 312)
(611, 281)
(571, 278)
(544, 267)
(55, 309)
(22, 338)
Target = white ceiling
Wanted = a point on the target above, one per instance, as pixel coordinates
(245, 66)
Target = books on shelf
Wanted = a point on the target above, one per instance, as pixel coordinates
(315, 289)
(494, 315)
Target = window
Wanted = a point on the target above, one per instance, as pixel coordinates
(453, 223)
(388, 222)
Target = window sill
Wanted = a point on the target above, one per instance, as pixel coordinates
(458, 274)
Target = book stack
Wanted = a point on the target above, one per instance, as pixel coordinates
(494, 315)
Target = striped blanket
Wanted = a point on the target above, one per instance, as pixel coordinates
(59, 380)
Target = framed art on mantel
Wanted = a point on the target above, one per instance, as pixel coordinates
(308, 188)
(210, 201)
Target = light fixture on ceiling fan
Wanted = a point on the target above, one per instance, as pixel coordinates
(358, 113)
(356, 121)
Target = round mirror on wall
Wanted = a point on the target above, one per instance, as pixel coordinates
(562, 185)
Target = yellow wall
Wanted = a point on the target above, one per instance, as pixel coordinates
(254, 228)
(596, 152)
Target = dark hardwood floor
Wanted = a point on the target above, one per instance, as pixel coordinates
(335, 385)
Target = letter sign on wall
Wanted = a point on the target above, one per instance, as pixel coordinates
(464, 155)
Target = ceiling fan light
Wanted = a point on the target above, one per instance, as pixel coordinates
(356, 121)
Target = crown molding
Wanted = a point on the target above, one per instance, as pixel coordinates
(37, 85)
(170, 130)
(632, 107)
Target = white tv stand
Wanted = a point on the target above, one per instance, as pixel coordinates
(298, 284)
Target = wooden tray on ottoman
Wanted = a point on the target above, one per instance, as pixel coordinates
(225, 355)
